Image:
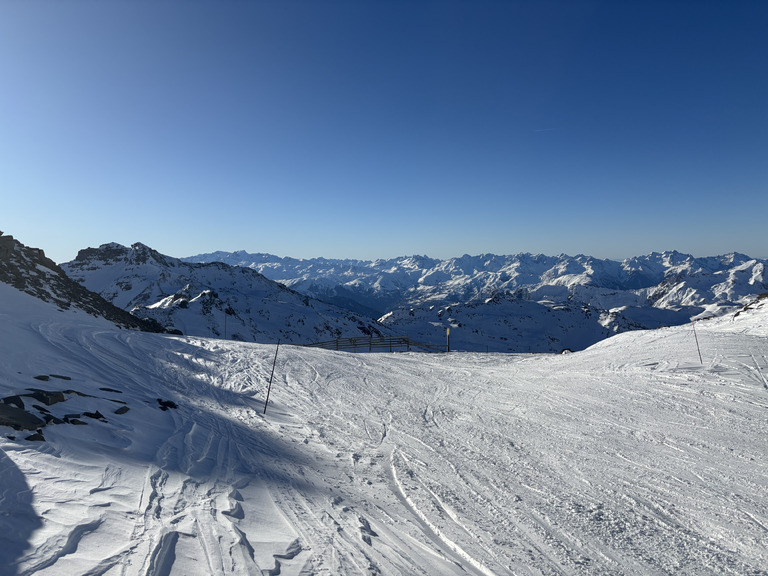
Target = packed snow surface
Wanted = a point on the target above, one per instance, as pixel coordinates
(631, 457)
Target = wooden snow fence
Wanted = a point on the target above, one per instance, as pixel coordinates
(374, 344)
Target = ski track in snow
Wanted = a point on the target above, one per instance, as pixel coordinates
(631, 457)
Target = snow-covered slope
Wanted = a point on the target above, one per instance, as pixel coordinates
(211, 299)
(632, 457)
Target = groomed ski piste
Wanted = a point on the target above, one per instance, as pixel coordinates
(631, 457)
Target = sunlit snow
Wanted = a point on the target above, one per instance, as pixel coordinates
(631, 457)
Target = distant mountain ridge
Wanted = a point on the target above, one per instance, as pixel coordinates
(211, 299)
(522, 302)
(664, 280)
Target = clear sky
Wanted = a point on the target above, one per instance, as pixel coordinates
(380, 128)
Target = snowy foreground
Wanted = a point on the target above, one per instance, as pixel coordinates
(631, 457)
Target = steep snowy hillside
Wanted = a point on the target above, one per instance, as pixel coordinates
(211, 299)
(29, 270)
(151, 455)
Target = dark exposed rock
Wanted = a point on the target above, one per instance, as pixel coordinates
(122, 410)
(36, 437)
(60, 377)
(29, 270)
(165, 404)
(95, 415)
(51, 419)
(14, 400)
(46, 397)
(111, 390)
(43, 377)
(18, 419)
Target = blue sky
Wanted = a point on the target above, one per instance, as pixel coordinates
(373, 129)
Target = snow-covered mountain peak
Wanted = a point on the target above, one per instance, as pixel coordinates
(113, 253)
(30, 271)
(211, 299)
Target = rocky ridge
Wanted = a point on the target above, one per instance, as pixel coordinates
(29, 270)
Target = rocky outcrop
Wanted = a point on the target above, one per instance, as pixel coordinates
(29, 270)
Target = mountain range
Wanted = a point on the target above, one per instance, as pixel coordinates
(523, 302)
(212, 299)
(520, 303)
(666, 279)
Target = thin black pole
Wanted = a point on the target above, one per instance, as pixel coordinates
(269, 388)
(697, 340)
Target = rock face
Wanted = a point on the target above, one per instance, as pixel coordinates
(29, 270)
(18, 418)
(213, 299)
